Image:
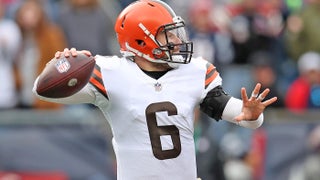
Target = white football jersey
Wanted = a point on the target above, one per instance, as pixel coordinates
(151, 120)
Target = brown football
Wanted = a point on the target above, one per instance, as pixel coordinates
(64, 77)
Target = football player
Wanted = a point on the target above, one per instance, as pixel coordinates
(149, 95)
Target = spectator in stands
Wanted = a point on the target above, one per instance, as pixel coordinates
(210, 40)
(263, 71)
(10, 39)
(242, 47)
(302, 34)
(304, 92)
(37, 30)
(79, 18)
(255, 26)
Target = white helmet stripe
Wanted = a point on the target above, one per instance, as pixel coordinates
(147, 32)
(151, 36)
(146, 56)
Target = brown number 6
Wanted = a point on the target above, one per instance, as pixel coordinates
(156, 131)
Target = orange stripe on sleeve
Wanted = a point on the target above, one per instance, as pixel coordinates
(97, 82)
(97, 73)
(211, 74)
(98, 85)
(210, 68)
(211, 78)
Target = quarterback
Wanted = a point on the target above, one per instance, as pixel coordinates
(149, 95)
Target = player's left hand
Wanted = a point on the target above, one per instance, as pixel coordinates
(254, 106)
(71, 52)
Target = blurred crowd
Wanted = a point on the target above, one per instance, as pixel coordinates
(274, 42)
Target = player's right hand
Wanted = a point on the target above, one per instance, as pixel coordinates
(71, 52)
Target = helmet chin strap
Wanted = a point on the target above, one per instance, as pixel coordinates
(135, 52)
(176, 59)
(174, 65)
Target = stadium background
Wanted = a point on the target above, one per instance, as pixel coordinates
(75, 142)
(76, 145)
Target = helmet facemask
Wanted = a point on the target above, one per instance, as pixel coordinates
(173, 52)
